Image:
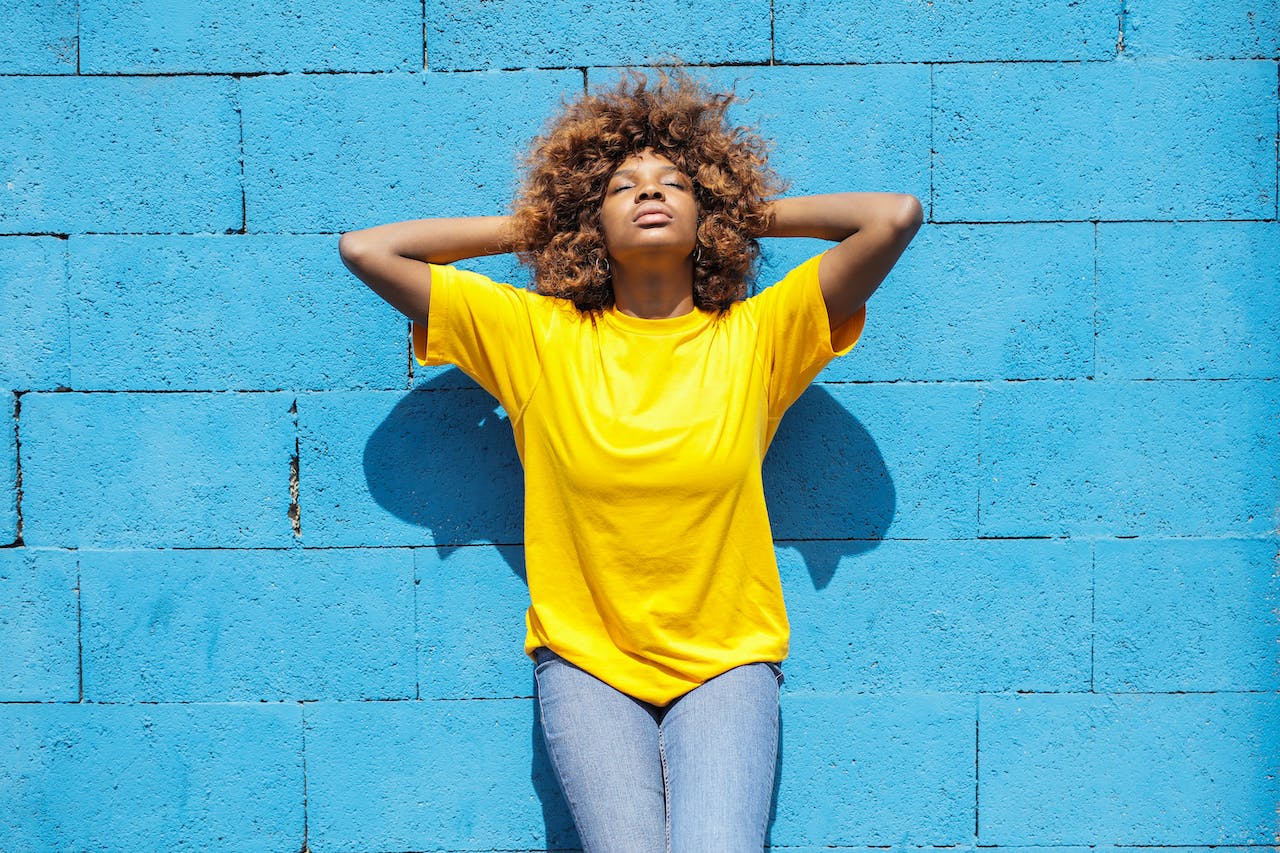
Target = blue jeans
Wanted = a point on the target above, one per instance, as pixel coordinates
(695, 775)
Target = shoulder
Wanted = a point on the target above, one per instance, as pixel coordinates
(474, 286)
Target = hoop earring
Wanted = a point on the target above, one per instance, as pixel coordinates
(602, 264)
(697, 254)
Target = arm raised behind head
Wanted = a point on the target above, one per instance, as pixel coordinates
(873, 230)
(392, 259)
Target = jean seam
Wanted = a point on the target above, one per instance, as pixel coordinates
(666, 786)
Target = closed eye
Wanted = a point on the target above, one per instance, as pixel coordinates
(621, 187)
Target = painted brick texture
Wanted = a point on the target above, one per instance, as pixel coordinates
(261, 576)
(147, 36)
(120, 154)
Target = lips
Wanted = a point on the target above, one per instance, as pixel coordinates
(652, 214)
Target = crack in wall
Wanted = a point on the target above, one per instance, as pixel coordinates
(978, 517)
(417, 677)
(244, 210)
(79, 635)
(17, 464)
(1094, 372)
(772, 49)
(295, 512)
(932, 149)
(976, 721)
(302, 712)
(1093, 606)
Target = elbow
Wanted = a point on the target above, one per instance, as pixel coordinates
(908, 214)
(350, 246)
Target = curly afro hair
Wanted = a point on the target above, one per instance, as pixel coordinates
(556, 229)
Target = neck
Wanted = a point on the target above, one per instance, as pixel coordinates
(655, 290)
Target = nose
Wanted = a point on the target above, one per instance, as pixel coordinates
(651, 193)
(649, 189)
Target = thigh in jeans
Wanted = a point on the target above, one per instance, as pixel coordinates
(720, 749)
(603, 747)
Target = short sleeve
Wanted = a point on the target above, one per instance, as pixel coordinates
(796, 340)
(491, 331)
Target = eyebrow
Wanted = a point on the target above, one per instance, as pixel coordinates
(622, 172)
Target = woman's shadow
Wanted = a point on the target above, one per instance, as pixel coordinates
(825, 481)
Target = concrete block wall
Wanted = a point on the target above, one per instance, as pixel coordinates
(262, 582)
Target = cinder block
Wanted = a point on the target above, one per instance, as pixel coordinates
(1104, 140)
(8, 470)
(1189, 300)
(471, 622)
(862, 31)
(1130, 458)
(1143, 769)
(38, 630)
(231, 312)
(34, 350)
(156, 470)
(980, 302)
(151, 777)
(422, 468)
(150, 36)
(876, 461)
(463, 35)
(954, 616)
(1186, 28)
(837, 129)
(429, 775)
(229, 625)
(341, 152)
(875, 770)
(1195, 615)
(120, 154)
(39, 38)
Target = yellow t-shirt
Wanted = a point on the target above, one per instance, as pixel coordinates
(647, 545)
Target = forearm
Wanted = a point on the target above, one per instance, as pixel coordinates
(393, 259)
(436, 241)
(836, 216)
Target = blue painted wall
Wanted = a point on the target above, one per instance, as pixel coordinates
(263, 587)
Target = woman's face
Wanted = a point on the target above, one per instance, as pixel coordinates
(648, 206)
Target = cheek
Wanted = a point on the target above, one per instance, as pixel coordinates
(607, 227)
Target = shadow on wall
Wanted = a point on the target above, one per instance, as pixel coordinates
(444, 459)
(824, 480)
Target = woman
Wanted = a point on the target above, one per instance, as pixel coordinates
(643, 389)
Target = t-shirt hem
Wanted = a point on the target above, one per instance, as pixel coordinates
(848, 333)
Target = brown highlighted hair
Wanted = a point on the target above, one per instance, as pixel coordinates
(556, 217)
